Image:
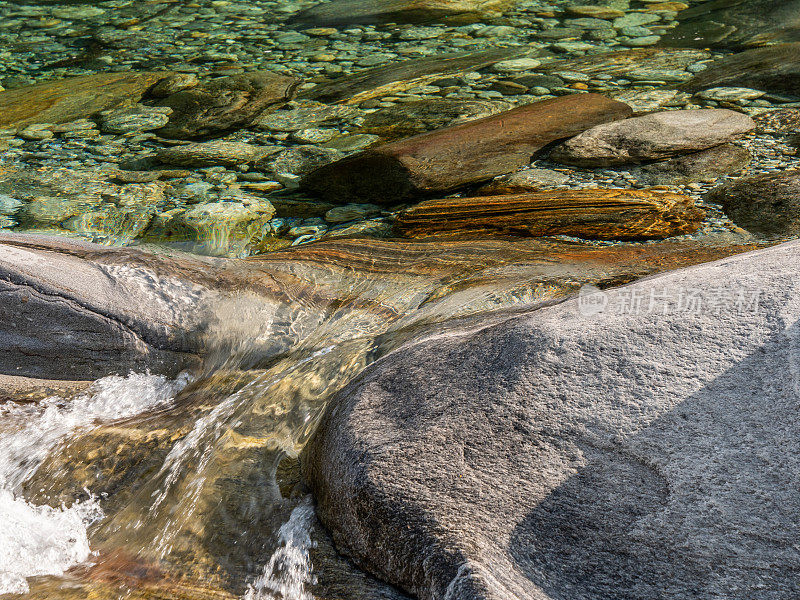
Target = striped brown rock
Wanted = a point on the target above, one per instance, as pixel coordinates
(449, 158)
(588, 214)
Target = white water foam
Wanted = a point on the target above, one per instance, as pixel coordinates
(45, 540)
(289, 568)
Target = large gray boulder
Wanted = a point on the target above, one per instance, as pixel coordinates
(632, 445)
(652, 137)
(78, 311)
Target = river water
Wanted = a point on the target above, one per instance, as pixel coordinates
(142, 487)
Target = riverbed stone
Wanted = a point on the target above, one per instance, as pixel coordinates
(72, 98)
(207, 154)
(651, 137)
(456, 156)
(772, 69)
(736, 24)
(588, 214)
(351, 12)
(411, 118)
(595, 449)
(767, 204)
(706, 166)
(225, 104)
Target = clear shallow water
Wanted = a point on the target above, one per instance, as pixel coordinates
(40, 539)
(148, 488)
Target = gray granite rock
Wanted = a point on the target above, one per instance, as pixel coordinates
(599, 449)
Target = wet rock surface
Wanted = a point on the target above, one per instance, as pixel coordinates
(587, 214)
(247, 98)
(652, 137)
(765, 204)
(771, 69)
(472, 152)
(505, 474)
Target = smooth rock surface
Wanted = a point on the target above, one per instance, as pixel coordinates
(588, 214)
(401, 75)
(651, 137)
(73, 98)
(593, 450)
(448, 158)
(736, 24)
(225, 104)
(207, 154)
(768, 204)
(770, 69)
(706, 165)
(350, 12)
(412, 118)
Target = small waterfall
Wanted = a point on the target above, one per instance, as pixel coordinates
(289, 568)
(45, 540)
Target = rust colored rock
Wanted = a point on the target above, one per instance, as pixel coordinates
(587, 214)
(225, 104)
(74, 98)
(453, 157)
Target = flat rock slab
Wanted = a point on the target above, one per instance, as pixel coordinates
(588, 214)
(638, 63)
(225, 104)
(449, 158)
(767, 204)
(634, 444)
(207, 154)
(653, 137)
(736, 24)
(413, 118)
(64, 100)
(399, 76)
(772, 69)
(352, 12)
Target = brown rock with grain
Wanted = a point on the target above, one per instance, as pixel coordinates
(587, 214)
(73, 98)
(453, 157)
(225, 104)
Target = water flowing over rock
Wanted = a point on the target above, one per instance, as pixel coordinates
(351, 12)
(602, 448)
(736, 23)
(772, 69)
(767, 204)
(651, 137)
(73, 98)
(95, 317)
(449, 158)
(588, 214)
(225, 104)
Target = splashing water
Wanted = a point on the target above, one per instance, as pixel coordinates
(45, 540)
(289, 568)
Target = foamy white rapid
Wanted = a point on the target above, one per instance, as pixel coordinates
(44, 540)
(289, 568)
